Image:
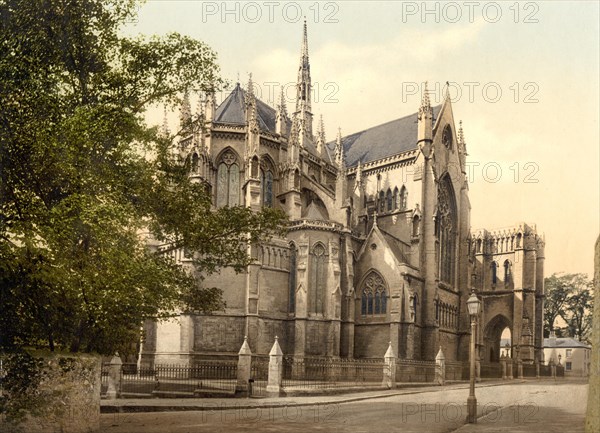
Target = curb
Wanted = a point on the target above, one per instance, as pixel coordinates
(221, 405)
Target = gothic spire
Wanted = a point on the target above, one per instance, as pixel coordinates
(304, 88)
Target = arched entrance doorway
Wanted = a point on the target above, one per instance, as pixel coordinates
(492, 335)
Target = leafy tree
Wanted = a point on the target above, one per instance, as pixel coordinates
(568, 296)
(578, 311)
(556, 291)
(79, 195)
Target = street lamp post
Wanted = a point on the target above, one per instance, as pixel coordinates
(473, 305)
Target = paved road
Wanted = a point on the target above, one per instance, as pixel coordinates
(527, 407)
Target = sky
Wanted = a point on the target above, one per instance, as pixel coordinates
(524, 79)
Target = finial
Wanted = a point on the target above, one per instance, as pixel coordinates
(276, 338)
(282, 107)
(425, 101)
(238, 77)
(250, 84)
(375, 218)
(339, 150)
(447, 93)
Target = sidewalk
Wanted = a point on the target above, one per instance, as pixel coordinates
(212, 404)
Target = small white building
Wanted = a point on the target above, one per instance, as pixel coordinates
(574, 355)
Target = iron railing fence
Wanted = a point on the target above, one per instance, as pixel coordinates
(259, 375)
(202, 376)
(300, 373)
(410, 370)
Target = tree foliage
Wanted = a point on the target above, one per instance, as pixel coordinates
(79, 196)
(569, 297)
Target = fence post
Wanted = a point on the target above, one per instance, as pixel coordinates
(537, 369)
(503, 365)
(520, 368)
(389, 369)
(440, 368)
(509, 367)
(114, 377)
(275, 370)
(552, 368)
(243, 369)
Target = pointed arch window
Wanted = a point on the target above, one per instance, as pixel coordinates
(413, 304)
(292, 279)
(446, 230)
(389, 200)
(374, 296)
(228, 181)
(494, 273)
(381, 201)
(396, 198)
(267, 187)
(318, 262)
(506, 272)
(415, 225)
(403, 198)
(195, 164)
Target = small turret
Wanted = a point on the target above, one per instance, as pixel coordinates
(210, 105)
(321, 137)
(425, 116)
(339, 152)
(281, 116)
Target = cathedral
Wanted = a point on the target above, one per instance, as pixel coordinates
(379, 247)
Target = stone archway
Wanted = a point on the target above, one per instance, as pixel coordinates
(492, 335)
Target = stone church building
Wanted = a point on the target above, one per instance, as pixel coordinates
(379, 247)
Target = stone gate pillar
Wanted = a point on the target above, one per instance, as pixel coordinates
(243, 369)
(389, 369)
(275, 370)
(440, 368)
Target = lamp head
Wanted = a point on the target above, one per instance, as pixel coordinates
(473, 304)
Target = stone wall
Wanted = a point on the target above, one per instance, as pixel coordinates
(62, 393)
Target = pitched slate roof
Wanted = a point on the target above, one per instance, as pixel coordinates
(383, 140)
(563, 342)
(398, 248)
(232, 111)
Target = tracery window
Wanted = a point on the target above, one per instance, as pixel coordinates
(388, 200)
(381, 201)
(396, 198)
(494, 273)
(318, 262)
(228, 181)
(374, 295)
(446, 229)
(267, 187)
